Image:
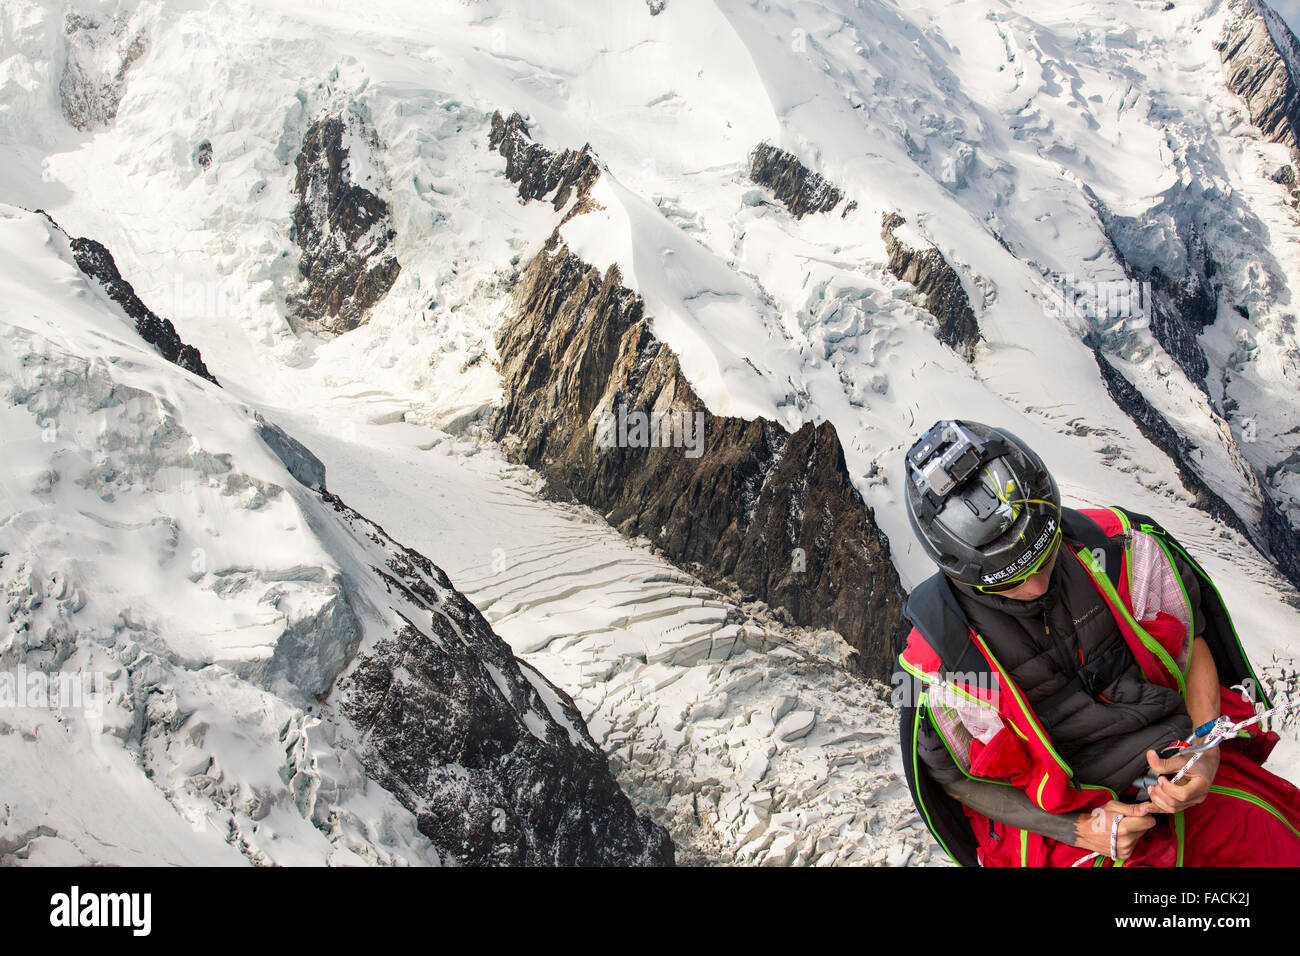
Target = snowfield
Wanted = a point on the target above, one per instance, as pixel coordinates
(142, 518)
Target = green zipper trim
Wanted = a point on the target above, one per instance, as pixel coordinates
(926, 678)
(1180, 830)
(916, 775)
(1024, 847)
(969, 776)
(1089, 561)
(1259, 686)
(1038, 797)
(1258, 801)
(1033, 720)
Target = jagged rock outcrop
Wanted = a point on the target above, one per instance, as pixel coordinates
(1183, 306)
(741, 504)
(798, 188)
(96, 261)
(1284, 175)
(341, 226)
(930, 273)
(1260, 53)
(538, 171)
(97, 58)
(495, 762)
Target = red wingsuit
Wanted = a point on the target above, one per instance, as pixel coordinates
(1251, 816)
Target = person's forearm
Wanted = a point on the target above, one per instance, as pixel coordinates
(1010, 806)
(1202, 684)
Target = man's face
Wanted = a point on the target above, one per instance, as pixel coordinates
(1034, 586)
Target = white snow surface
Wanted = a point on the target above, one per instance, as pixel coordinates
(975, 121)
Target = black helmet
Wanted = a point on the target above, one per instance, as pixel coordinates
(983, 505)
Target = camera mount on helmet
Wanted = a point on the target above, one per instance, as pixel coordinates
(936, 475)
(982, 503)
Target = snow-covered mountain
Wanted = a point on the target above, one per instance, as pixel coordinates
(256, 669)
(445, 245)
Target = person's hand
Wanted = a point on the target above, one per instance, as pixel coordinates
(1169, 797)
(1092, 831)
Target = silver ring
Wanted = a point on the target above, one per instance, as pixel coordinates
(1114, 836)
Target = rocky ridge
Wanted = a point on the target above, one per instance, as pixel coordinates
(935, 279)
(94, 259)
(798, 188)
(341, 226)
(755, 508)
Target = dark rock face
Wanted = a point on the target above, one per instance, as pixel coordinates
(202, 154)
(342, 227)
(97, 262)
(1182, 308)
(798, 188)
(302, 464)
(1184, 296)
(945, 298)
(749, 506)
(1259, 50)
(539, 171)
(1165, 437)
(1282, 518)
(494, 760)
(97, 58)
(1285, 176)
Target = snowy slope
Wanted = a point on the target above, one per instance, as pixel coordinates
(963, 142)
(135, 553)
(236, 651)
(996, 131)
(753, 742)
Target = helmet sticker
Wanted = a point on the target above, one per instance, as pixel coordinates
(1041, 544)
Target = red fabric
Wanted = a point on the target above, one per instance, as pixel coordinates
(1105, 519)
(1225, 830)
(920, 655)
